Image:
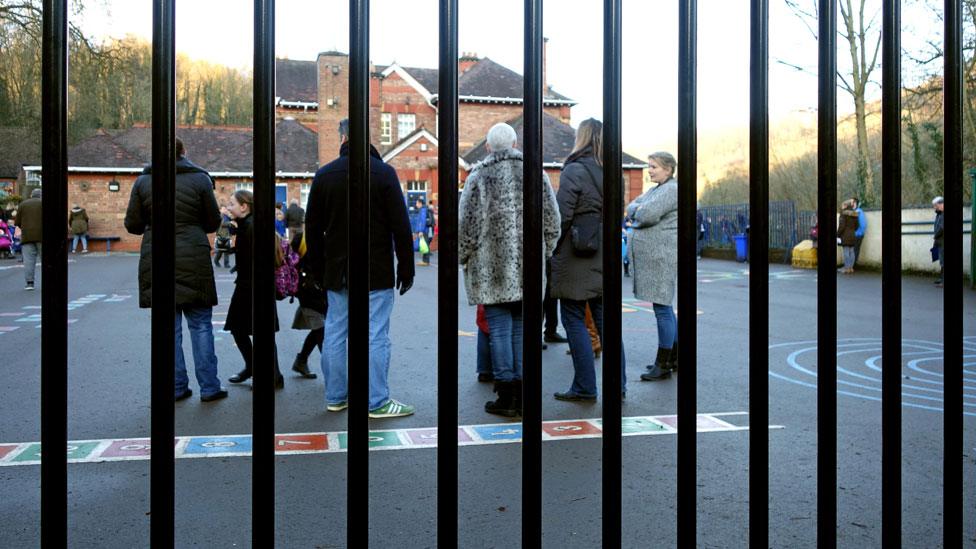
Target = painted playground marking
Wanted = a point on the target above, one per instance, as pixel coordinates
(98, 451)
(859, 370)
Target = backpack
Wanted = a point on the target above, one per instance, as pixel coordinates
(286, 270)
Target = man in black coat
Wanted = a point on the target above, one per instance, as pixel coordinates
(327, 240)
(294, 217)
(196, 216)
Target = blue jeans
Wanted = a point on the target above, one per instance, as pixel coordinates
(484, 353)
(584, 370)
(84, 241)
(334, 352)
(31, 252)
(200, 322)
(505, 338)
(667, 327)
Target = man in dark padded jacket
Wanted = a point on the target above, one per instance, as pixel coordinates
(326, 239)
(196, 216)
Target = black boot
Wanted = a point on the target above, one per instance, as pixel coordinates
(301, 366)
(627, 269)
(673, 358)
(241, 376)
(657, 371)
(504, 405)
(517, 395)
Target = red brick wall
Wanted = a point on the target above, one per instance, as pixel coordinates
(475, 119)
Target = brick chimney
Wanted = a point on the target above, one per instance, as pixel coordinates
(467, 61)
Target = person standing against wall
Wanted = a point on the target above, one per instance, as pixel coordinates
(862, 227)
(78, 224)
(30, 225)
(938, 236)
(846, 230)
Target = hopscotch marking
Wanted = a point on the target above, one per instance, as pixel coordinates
(105, 450)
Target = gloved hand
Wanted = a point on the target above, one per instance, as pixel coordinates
(404, 283)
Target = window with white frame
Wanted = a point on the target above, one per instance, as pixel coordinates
(33, 178)
(306, 188)
(386, 128)
(416, 186)
(244, 187)
(406, 124)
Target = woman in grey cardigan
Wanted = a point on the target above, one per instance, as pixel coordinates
(577, 275)
(654, 255)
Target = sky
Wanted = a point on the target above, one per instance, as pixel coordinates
(406, 32)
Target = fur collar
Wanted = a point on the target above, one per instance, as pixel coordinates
(496, 157)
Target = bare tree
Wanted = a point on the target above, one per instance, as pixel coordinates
(864, 42)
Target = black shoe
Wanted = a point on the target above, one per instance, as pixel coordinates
(241, 376)
(544, 346)
(301, 366)
(573, 397)
(504, 405)
(280, 382)
(658, 371)
(554, 338)
(673, 358)
(184, 395)
(651, 376)
(216, 396)
(233, 269)
(517, 395)
(486, 376)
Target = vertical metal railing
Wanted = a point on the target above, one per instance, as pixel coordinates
(54, 269)
(952, 498)
(612, 321)
(357, 510)
(161, 467)
(687, 269)
(891, 307)
(759, 275)
(263, 317)
(447, 279)
(827, 277)
(532, 264)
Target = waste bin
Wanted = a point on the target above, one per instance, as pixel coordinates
(741, 247)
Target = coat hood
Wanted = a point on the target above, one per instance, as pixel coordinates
(497, 157)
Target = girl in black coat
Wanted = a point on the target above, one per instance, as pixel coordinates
(239, 322)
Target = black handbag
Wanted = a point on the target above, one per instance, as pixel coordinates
(587, 229)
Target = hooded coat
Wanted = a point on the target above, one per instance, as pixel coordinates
(490, 228)
(580, 193)
(653, 247)
(78, 221)
(196, 216)
(847, 227)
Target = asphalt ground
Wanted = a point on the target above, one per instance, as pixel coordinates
(109, 393)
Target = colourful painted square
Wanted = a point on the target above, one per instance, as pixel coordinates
(76, 450)
(6, 449)
(499, 432)
(136, 447)
(704, 422)
(301, 443)
(636, 425)
(218, 445)
(428, 437)
(570, 428)
(376, 439)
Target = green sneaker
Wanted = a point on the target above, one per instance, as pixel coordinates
(392, 408)
(337, 407)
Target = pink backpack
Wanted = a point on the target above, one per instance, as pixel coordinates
(286, 274)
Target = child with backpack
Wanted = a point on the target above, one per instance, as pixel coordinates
(239, 322)
(312, 307)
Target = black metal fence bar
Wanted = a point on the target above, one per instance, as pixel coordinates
(891, 308)
(687, 269)
(532, 264)
(263, 293)
(54, 268)
(759, 277)
(357, 510)
(164, 287)
(827, 277)
(952, 499)
(612, 321)
(447, 279)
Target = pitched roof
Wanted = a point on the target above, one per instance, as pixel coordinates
(558, 139)
(296, 80)
(489, 79)
(215, 148)
(21, 147)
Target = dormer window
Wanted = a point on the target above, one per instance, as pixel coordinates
(406, 124)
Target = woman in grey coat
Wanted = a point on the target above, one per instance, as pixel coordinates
(490, 249)
(654, 255)
(577, 274)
